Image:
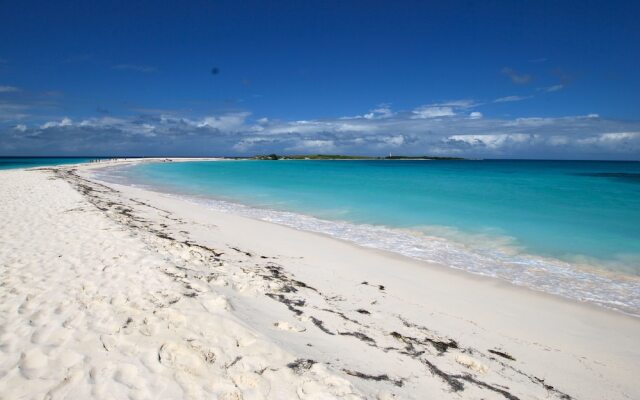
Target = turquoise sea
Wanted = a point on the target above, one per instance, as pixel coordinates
(566, 227)
(30, 162)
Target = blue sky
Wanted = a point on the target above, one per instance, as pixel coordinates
(525, 79)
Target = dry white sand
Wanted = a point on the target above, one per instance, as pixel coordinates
(117, 292)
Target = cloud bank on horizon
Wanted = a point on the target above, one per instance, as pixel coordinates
(453, 128)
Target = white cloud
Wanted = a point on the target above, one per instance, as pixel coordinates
(553, 88)
(575, 121)
(248, 143)
(558, 140)
(9, 89)
(463, 103)
(13, 112)
(101, 122)
(611, 139)
(530, 122)
(491, 141)
(432, 129)
(147, 130)
(517, 78)
(508, 99)
(394, 141)
(55, 124)
(231, 121)
(433, 112)
(314, 145)
(383, 111)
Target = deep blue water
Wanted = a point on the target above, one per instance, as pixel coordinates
(30, 162)
(531, 222)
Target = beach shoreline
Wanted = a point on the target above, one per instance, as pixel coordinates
(374, 324)
(88, 172)
(485, 251)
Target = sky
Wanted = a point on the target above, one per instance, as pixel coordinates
(493, 79)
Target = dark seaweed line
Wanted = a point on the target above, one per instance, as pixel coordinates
(86, 187)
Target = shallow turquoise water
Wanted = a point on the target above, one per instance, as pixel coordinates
(30, 162)
(531, 222)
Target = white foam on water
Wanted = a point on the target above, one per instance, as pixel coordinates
(548, 275)
(491, 257)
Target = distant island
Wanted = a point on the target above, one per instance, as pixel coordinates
(345, 157)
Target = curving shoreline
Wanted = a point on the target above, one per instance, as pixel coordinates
(341, 319)
(581, 279)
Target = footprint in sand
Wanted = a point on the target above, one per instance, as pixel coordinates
(33, 364)
(68, 359)
(9, 342)
(251, 382)
(27, 306)
(61, 389)
(181, 358)
(127, 374)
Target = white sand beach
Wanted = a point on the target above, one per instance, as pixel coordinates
(115, 292)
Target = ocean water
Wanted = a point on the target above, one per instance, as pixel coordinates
(570, 228)
(30, 162)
